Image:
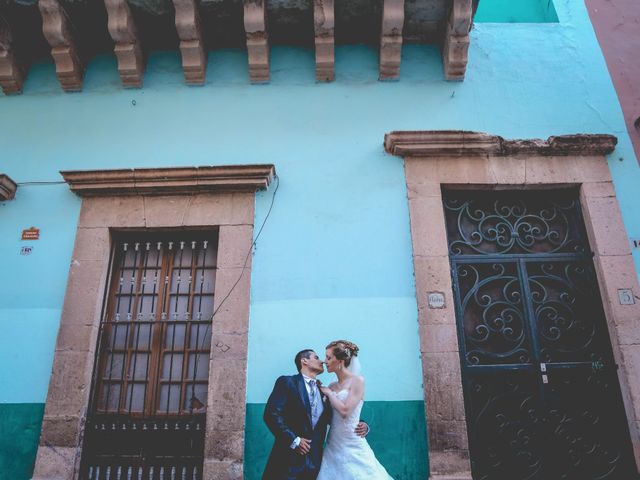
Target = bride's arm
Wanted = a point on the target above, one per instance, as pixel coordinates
(356, 393)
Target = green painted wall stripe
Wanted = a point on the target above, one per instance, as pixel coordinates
(19, 433)
(398, 438)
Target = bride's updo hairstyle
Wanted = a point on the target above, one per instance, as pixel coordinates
(344, 350)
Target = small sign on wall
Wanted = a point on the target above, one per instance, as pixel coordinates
(626, 296)
(435, 299)
(26, 250)
(635, 243)
(32, 233)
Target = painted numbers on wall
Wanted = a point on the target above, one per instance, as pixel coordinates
(435, 299)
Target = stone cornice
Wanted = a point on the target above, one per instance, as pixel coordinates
(58, 31)
(192, 49)
(460, 143)
(169, 181)
(123, 31)
(455, 51)
(7, 187)
(137, 29)
(391, 39)
(11, 71)
(255, 26)
(324, 29)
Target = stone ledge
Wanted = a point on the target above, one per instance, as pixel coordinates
(7, 187)
(451, 477)
(169, 181)
(429, 143)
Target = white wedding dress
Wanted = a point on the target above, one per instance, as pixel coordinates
(346, 455)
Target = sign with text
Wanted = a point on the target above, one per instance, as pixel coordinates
(435, 299)
(32, 233)
(635, 243)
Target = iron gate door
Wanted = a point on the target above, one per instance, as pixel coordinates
(541, 392)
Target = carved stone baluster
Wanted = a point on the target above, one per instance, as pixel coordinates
(55, 26)
(127, 46)
(324, 26)
(455, 53)
(194, 58)
(391, 39)
(255, 26)
(11, 72)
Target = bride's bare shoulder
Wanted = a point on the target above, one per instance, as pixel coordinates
(357, 380)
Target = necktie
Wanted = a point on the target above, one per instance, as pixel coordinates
(314, 400)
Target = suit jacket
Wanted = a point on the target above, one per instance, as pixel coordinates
(288, 415)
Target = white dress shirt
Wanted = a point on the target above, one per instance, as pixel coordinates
(306, 379)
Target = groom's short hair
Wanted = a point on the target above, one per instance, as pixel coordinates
(306, 353)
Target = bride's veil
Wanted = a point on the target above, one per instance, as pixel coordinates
(355, 367)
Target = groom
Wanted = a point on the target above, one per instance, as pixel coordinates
(298, 416)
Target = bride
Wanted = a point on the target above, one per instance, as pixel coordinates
(346, 455)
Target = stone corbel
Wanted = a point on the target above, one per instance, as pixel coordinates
(255, 26)
(391, 39)
(455, 52)
(324, 26)
(194, 58)
(7, 187)
(11, 71)
(55, 26)
(127, 48)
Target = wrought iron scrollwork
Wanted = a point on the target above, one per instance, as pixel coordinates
(567, 435)
(492, 306)
(541, 393)
(504, 415)
(499, 223)
(567, 311)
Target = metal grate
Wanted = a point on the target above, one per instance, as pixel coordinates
(501, 223)
(106, 472)
(150, 384)
(541, 393)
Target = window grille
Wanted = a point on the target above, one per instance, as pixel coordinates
(149, 395)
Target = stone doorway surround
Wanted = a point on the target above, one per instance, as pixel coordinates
(456, 159)
(220, 197)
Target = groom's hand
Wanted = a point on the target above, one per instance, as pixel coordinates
(304, 447)
(362, 429)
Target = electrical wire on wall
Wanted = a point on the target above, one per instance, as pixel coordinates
(57, 182)
(195, 402)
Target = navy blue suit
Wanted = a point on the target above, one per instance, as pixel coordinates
(288, 415)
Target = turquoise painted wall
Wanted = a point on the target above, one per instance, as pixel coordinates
(335, 257)
(516, 11)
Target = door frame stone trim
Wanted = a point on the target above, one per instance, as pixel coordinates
(470, 160)
(229, 212)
